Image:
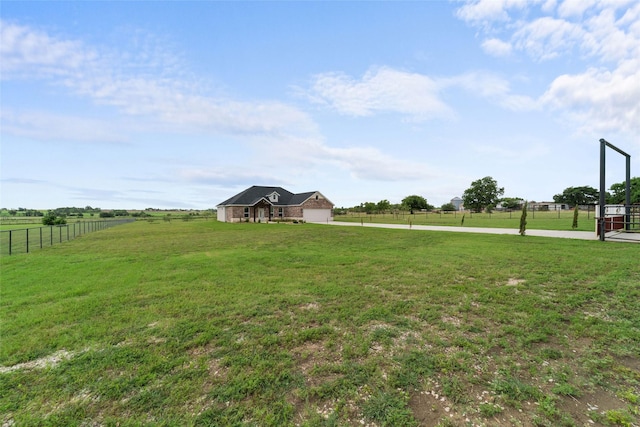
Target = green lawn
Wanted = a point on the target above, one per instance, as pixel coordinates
(205, 323)
(549, 220)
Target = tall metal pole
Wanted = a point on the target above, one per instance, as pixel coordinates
(627, 203)
(601, 220)
(603, 145)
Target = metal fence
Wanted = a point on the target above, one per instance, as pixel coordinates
(621, 222)
(25, 240)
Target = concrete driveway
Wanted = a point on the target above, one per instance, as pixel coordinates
(581, 235)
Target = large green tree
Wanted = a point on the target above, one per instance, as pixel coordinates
(617, 195)
(511, 202)
(384, 205)
(415, 202)
(574, 196)
(369, 207)
(482, 194)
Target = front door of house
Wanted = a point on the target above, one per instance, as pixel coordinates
(261, 214)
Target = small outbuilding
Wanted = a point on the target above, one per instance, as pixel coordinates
(457, 203)
(548, 206)
(263, 204)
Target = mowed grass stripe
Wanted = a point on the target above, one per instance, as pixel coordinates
(204, 323)
(539, 220)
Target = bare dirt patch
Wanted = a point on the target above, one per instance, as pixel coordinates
(451, 320)
(308, 356)
(631, 363)
(584, 407)
(44, 362)
(310, 306)
(428, 408)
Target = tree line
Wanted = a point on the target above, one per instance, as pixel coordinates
(64, 211)
(410, 203)
(484, 194)
(586, 195)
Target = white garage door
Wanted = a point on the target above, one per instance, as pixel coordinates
(317, 215)
(221, 214)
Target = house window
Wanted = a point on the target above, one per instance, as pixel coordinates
(280, 212)
(271, 211)
(246, 212)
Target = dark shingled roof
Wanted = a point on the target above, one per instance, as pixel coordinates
(253, 195)
(297, 199)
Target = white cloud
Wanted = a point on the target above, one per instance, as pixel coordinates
(600, 99)
(492, 87)
(483, 11)
(127, 82)
(416, 96)
(549, 6)
(27, 181)
(53, 127)
(588, 25)
(614, 40)
(605, 35)
(304, 155)
(24, 51)
(547, 37)
(496, 47)
(225, 176)
(370, 163)
(574, 7)
(381, 90)
(147, 83)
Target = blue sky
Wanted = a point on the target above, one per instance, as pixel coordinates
(183, 104)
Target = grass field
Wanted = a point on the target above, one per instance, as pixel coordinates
(541, 220)
(204, 323)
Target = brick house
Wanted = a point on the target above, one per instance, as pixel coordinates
(262, 204)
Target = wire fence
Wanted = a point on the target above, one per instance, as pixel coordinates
(25, 240)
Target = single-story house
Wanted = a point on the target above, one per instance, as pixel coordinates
(262, 204)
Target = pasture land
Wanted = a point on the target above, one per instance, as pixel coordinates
(206, 323)
(541, 220)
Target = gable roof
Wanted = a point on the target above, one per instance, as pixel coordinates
(254, 194)
(298, 199)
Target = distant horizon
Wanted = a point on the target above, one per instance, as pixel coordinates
(5, 209)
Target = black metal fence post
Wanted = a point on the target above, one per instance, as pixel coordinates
(26, 247)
